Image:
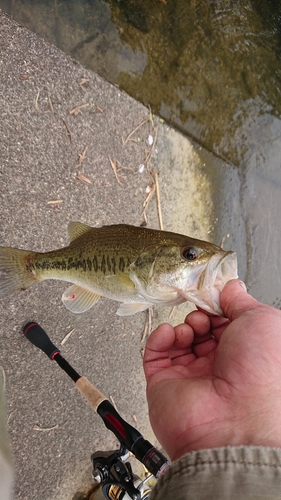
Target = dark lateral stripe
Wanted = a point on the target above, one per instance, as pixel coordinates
(106, 264)
(103, 264)
(95, 263)
(113, 261)
(46, 265)
(121, 264)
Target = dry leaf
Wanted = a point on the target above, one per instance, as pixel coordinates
(54, 202)
(82, 178)
(77, 110)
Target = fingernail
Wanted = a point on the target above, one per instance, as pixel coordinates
(242, 284)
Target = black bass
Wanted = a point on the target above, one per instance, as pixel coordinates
(133, 265)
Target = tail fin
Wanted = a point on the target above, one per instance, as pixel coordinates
(16, 271)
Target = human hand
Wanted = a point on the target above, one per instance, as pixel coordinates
(214, 381)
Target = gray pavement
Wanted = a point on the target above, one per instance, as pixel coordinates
(53, 110)
(52, 430)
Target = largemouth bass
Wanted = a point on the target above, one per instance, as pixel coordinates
(133, 265)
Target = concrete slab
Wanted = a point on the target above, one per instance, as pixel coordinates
(60, 126)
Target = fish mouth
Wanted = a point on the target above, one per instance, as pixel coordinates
(221, 268)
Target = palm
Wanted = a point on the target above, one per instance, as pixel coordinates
(206, 380)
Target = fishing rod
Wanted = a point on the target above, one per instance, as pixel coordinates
(109, 467)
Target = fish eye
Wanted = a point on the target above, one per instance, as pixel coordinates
(190, 253)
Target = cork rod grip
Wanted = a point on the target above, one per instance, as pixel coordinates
(90, 393)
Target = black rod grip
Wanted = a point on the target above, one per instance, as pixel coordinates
(66, 367)
(133, 440)
(39, 338)
(152, 458)
(126, 434)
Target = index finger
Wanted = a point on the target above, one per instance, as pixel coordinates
(206, 325)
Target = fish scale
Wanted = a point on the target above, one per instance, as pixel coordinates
(133, 265)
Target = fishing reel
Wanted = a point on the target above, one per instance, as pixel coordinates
(112, 469)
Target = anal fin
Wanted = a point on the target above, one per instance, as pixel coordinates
(129, 308)
(78, 300)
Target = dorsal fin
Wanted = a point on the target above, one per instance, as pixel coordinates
(76, 229)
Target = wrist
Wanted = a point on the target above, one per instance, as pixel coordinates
(255, 429)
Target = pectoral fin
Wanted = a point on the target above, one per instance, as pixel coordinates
(78, 299)
(122, 281)
(127, 309)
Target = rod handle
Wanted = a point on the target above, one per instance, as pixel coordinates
(90, 393)
(37, 336)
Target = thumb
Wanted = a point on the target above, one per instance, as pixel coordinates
(235, 300)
